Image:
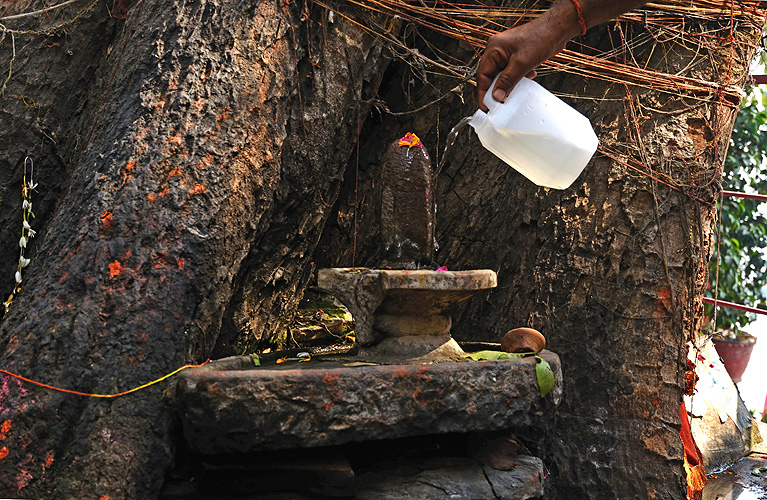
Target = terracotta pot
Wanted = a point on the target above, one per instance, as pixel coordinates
(523, 340)
(735, 355)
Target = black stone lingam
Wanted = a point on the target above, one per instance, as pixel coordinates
(408, 209)
(401, 310)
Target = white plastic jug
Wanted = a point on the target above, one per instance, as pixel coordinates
(535, 132)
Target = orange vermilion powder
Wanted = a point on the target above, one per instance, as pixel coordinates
(115, 268)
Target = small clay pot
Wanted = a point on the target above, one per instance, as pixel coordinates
(521, 340)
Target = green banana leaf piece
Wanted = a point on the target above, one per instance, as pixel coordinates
(545, 376)
(256, 360)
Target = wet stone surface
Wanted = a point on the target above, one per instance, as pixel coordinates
(744, 479)
(408, 210)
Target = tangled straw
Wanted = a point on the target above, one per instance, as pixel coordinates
(473, 23)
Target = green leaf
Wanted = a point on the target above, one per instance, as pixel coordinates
(543, 371)
(255, 359)
(545, 376)
(493, 355)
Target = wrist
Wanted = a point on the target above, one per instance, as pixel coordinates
(579, 15)
(562, 23)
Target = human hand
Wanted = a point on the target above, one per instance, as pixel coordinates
(514, 54)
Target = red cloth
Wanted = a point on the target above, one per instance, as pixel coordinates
(690, 449)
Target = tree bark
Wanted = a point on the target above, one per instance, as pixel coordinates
(611, 270)
(186, 158)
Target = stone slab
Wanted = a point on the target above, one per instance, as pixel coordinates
(448, 478)
(524, 481)
(225, 407)
(452, 478)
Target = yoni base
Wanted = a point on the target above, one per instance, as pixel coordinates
(230, 406)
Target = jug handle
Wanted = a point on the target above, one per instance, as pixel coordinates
(488, 99)
(492, 103)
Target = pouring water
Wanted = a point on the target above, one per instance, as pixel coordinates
(451, 137)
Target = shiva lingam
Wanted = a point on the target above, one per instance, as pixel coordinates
(403, 310)
(402, 382)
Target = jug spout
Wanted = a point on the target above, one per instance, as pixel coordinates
(478, 119)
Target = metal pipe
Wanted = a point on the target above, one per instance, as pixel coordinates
(733, 305)
(748, 196)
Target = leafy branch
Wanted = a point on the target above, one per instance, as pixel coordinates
(738, 266)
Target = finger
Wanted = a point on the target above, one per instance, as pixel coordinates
(483, 85)
(532, 74)
(507, 80)
(491, 63)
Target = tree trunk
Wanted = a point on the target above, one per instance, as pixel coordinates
(611, 270)
(186, 158)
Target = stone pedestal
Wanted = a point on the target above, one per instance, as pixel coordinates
(404, 314)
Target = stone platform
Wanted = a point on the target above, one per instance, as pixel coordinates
(230, 406)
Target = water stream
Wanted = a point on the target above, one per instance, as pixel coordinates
(451, 137)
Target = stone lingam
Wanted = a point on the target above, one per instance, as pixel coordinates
(402, 310)
(409, 378)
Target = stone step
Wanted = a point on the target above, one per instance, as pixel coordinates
(453, 478)
(424, 468)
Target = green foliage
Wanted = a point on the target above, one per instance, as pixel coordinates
(743, 238)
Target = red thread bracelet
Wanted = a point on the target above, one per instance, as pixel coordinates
(581, 21)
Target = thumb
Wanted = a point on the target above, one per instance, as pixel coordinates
(506, 82)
